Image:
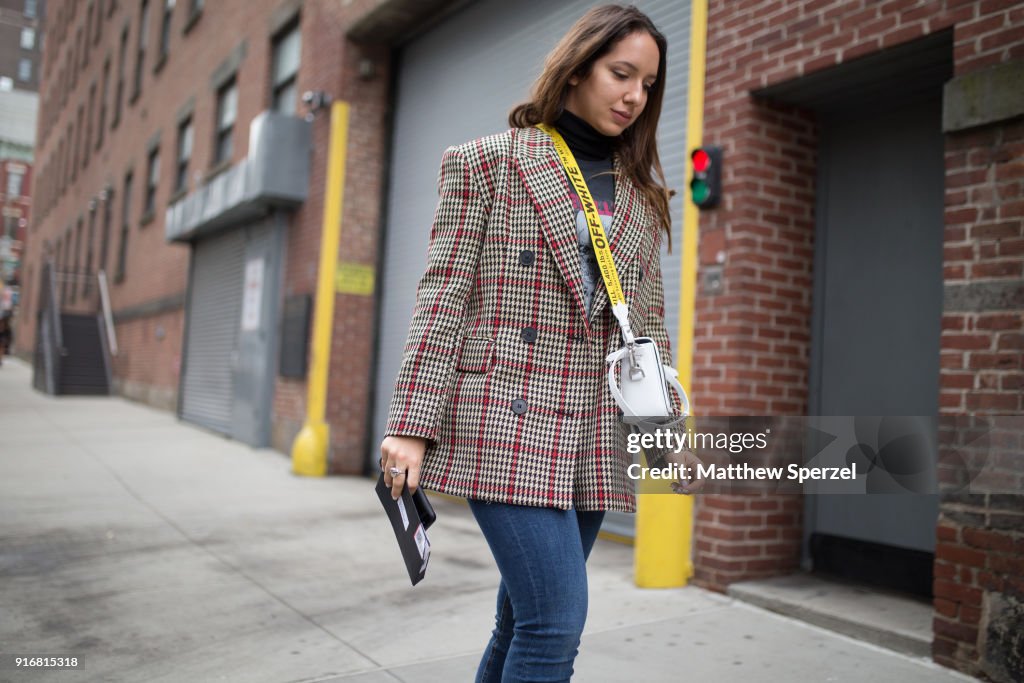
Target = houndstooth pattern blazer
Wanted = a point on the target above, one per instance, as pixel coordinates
(502, 371)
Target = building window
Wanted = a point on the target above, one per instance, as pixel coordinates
(140, 53)
(59, 181)
(126, 213)
(101, 121)
(78, 142)
(98, 29)
(184, 155)
(195, 10)
(108, 218)
(66, 264)
(30, 9)
(75, 57)
(76, 273)
(165, 29)
(58, 262)
(83, 40)
(14, 182)
(119, 92)
(227, 110)
(24, 70)
(87, 141)
(87, 287)
(285, 68)
(28, 38)
(88, 29)
(152, 182)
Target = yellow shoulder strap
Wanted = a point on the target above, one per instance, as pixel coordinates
(597, 237)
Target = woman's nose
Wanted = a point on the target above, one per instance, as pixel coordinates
(633, 93)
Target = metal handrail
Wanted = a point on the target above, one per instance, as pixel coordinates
(108, 316)
(54, 312)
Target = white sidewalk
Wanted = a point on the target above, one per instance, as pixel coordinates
(157, 551)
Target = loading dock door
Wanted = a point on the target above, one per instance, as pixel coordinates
(231, 339)
(878, 308)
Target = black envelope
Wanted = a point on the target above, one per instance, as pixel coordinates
(409, 529)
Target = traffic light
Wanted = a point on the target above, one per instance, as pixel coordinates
(706, 180)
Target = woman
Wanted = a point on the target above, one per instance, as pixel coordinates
(502, 395)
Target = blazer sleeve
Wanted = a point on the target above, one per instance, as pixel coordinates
(428, 362)
(655, 329)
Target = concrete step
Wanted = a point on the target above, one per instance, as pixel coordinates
(891, 620)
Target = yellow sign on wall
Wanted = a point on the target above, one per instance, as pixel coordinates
(354, 278)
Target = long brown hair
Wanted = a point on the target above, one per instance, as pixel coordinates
(590, 38)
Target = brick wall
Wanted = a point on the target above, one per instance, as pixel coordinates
(334, 66)
(979, 592)
(740, 537)
(982, 336)
(152, 345)
(148, 366)
(752, 342)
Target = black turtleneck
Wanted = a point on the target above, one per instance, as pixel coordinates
(584, 140)
(593, 152)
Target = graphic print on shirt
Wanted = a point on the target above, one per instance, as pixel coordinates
(588, 259)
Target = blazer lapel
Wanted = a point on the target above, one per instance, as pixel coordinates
(545, 182)
(628, 224)
(548, 188)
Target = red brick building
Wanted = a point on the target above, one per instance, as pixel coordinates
(15, 208)
(838, 118)
(173, 155)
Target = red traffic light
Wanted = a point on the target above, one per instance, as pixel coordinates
(701, 160)
(706, 183)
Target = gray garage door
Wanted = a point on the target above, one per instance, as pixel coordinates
(458, 81)
(231, 339)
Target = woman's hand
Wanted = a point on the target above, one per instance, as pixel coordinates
(686, 459)
(406, 454)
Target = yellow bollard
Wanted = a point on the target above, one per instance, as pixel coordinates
(309, 450)
(664, 521)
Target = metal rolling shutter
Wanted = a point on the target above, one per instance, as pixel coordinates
(458, 81)
(215, 306)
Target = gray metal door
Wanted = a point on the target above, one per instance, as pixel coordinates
(878, 297)
(255, 361)
(489, 53)
(228, 366)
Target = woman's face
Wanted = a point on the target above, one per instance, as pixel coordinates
(614, 94)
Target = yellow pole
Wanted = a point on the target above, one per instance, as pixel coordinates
(309, 451)
(664, 522)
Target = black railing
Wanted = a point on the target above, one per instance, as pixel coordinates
(49, 335)
(54, 371)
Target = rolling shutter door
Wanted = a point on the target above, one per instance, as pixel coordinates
(215, 306)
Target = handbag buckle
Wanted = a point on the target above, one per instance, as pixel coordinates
(636, 372)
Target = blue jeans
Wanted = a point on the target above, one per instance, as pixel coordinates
(542, 600)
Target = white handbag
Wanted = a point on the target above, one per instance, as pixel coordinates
(642, 390)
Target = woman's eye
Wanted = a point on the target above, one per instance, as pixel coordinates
(619, 75)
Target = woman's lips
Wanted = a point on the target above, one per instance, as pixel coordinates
(619, 117)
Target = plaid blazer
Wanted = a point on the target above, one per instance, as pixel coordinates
(502, 371)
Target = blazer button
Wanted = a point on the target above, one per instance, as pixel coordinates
(519, 406)
(526, 257)
(529, 334)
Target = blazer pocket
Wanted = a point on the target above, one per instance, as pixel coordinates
(475, 354)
